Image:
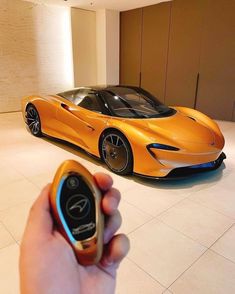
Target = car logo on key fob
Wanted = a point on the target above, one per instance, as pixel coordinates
(81, 204)
(78, 206)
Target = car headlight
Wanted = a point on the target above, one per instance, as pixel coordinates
(162, 147)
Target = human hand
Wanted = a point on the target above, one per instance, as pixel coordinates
(47, 262)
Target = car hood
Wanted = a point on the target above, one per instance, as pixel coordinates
(178, 128)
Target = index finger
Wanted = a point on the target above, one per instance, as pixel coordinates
(103, 181)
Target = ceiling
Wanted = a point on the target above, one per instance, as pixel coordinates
(120, 5)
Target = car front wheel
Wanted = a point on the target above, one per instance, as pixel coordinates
(117, 153)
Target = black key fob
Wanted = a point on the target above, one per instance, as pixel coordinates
(76, 207)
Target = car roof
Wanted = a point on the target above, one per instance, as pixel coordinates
(99, 88)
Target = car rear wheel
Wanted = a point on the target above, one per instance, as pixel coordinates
(117, 153)
(33, 121)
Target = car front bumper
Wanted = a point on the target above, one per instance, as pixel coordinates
(182, 172)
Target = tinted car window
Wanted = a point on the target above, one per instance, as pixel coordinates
(91, 102)
(134, 103)
(85, 98)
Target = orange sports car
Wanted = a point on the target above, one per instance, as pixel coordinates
(129, 129)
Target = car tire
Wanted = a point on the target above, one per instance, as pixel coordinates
(33, 121)
(116, 152)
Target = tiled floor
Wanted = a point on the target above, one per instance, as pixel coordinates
(182, 233)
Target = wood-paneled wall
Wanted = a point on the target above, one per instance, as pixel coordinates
(184, 52)
(130, 48)
(156, 22)
(216, 89)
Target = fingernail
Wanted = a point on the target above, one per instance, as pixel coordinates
(113, 203)
(108, 262)
(106, 237)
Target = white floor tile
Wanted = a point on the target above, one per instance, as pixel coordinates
(197, 222)
(9, 276)
(5, 237)
(218, 197)
(163, 252)
(226, 245)
(132, 280)
(17, 192)
(132, 217)
(41, 180)
(211, 274)
(8, 174)
(152, 200)
(225, 125)
(15, 218)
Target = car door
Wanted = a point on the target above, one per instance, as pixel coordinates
(82, 123)
(96, 119)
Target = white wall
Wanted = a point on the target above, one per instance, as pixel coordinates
(84, 46)
(35, 51)
(112, 46)
(101, 46)
(107, 38)
(36, 55)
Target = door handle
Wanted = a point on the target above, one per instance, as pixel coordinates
(65, 106)
(90, 127)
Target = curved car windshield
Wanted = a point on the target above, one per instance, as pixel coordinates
(73, 95)
(134, 103)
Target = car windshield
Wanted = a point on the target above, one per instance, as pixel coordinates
(134, 103)
(73, 95)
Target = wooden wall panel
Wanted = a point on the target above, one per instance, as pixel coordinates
(216, 91)
(184, 51)
(130, 49)
(187, 53)
(233, 115)
(156, 21)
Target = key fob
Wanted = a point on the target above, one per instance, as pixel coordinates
(76, 207)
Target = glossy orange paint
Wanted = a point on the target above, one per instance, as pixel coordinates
(198, 137)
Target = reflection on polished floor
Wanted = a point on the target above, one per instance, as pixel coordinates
(182, 232)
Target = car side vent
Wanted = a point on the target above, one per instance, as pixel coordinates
(192, 118)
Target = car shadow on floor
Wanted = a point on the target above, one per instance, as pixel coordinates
(74, 149)
(169, 184)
